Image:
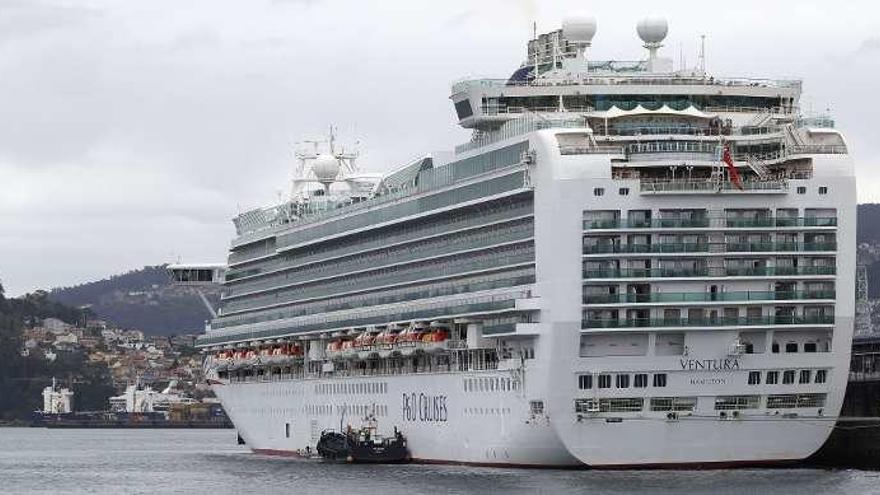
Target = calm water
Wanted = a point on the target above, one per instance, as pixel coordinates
(196, 462)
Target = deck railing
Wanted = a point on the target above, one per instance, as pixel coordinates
(765, 271)
(707, 322)
(661, 297)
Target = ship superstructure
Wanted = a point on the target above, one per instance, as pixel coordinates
(626, 265)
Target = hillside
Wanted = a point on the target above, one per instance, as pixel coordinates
(141, 299)
(868, 229)
(22, 377)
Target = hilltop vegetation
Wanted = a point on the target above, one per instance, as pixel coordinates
(141, 299)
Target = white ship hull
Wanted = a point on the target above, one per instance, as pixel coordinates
(444, 423)
(441, 421)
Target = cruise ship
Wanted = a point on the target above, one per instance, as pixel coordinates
(628, 264)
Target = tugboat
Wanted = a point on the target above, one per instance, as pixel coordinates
(364, 445)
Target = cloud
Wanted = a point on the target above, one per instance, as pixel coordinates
(870, 45)
(130, 132)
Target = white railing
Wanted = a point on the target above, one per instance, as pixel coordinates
(708, 185)
(634, 78)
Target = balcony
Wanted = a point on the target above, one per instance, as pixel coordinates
(763, 271)
(782, 222)
(658, 223)
(704, 247)
(706, 222)
(685, 297)
(706, 322)
(740, 247)
(698, 247)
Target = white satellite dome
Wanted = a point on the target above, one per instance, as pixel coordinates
(579, 28)
(325, 167)
(652, 29)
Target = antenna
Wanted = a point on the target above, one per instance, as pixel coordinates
(535, 33)
(680, 56)
(703, 54)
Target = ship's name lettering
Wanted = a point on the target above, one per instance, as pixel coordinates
(710, 364)
(424, 408)
(708, 381)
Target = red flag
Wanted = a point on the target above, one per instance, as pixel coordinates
(731, 168)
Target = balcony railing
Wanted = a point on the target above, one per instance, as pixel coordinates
(817, 149)
(655, 223)
(704, 185)
(590, 150)
(739, 247)
(707, 322)
(764, 271)
(703, 247)
(661, 297)
(705, 222)
(678, 247)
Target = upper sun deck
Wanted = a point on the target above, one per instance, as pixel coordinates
(557, 77)
(597, 82)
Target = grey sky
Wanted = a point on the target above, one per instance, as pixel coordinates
(132, 132)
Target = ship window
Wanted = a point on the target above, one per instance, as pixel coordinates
(673, 403)
(599, 191)
(640, 380)
(754, 377)
(604, 381)
(287, 430)
(823, 190)
(801, 190)
(805, 376)
(791, 347)
(536, 407)
(809, 347)
(788, 377)
(729, 402)
(585, 382)
(623, 191)
(772, 377)
(821, 376)
(622, 381)
(775, 348)
(660, 379)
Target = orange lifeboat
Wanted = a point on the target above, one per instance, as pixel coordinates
(276, 354)
(367, 345)
(221, 360)
(334, 349)
(384, 343)
(408, 341)
(251, 357)
(295, 351)
(435, 340)
(348, 351)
